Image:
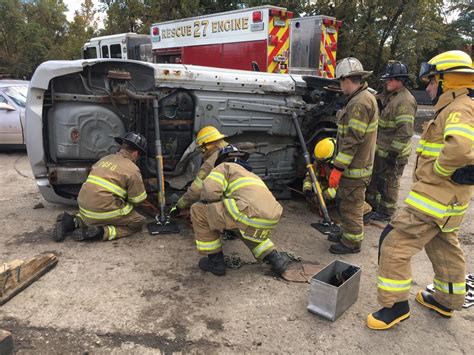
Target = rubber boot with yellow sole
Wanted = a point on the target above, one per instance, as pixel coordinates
(427, 299)
(386, 318)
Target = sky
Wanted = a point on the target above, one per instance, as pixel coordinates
(74, 5)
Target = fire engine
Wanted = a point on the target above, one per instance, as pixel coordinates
(265, 38)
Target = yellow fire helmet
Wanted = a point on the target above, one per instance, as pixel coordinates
(447, 62)
(208, 134)
(325, 148)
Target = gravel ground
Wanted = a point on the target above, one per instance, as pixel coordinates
(145, 294)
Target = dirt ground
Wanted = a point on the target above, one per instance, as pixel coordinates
(145, 294)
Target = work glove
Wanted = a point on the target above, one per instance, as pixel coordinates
(174, 211)
(391, 158)
(335, 178)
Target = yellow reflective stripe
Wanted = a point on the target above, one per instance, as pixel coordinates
(394, 285)
(262, 248)
(262, 235)
(241, 182)
(307, 186)
(219, 178)
(138, 198)
(372, 127)
(107, 185)
(386, 124)
(407, 149)
(344, 158)
(456, 288)
(331, 192)
(238, 216)
(382, 152)
(357, 125)
(398, 145)
(463, 130)
(448, 230)
(387, 204)
(457, 210)
(106, 215)
(209, 246)
(357, 173)
(342, 129)
(442, 171)
(404, 119)
(112, 232)
(426, 205)
(353, 237)
(198, 181)
(431, 149)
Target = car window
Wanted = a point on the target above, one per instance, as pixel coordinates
(116, 51)
(3, 100)
(90, 52)
(17, 94)
(105, 52)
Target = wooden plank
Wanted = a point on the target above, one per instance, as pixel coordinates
(15, 276)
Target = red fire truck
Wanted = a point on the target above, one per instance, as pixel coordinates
(258, 38)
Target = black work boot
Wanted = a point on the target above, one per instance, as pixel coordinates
(381, 216)
(213, 263)
(340, 248)
(65, 225)
(88, 233)
(428, 300)
(386, 318)
(335, 237)
(278, 262)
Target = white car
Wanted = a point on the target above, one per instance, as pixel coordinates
(12, 113)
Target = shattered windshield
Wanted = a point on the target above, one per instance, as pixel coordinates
(17, 94)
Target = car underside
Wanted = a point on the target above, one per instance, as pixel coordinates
(76, 108)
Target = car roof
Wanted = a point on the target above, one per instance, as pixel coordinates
(10, 82)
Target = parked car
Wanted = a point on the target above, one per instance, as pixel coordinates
(76, 108)
(12, 113)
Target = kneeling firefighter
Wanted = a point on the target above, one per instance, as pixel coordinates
(107, 198)
(210, 141)
(234, 198)
(437, 202)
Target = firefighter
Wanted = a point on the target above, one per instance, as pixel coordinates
(323, 154)
(395, 130)
(210, 141)
(234, 198)
(355, 147)
(107, 198)
(437, 202)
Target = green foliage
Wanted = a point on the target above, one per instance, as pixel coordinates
(374, 31)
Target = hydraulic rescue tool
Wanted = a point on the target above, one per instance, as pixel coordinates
(163, 224)
(325, 226)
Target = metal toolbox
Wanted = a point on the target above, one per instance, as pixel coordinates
(331, 301)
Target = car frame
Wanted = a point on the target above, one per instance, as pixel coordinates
(12, 114)
(76, 108)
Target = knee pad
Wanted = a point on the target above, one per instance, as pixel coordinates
(388, 228)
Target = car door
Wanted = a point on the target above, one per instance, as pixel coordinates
(11, 132)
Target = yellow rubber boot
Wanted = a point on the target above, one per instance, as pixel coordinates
(386, 318)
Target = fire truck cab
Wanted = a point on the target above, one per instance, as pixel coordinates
(119, 46)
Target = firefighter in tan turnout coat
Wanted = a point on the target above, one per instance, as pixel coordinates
(355, 146)
(395, 130)
(234, 198)
(210, 141)
(437, 202)
(107, 198)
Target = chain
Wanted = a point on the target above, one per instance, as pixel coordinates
(235, 262)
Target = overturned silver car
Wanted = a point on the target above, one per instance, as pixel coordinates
(76, 108)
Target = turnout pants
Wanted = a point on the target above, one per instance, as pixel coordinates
(382, 193)
(351, 200)
(210, 219)
(410, 232)
(118, 227)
